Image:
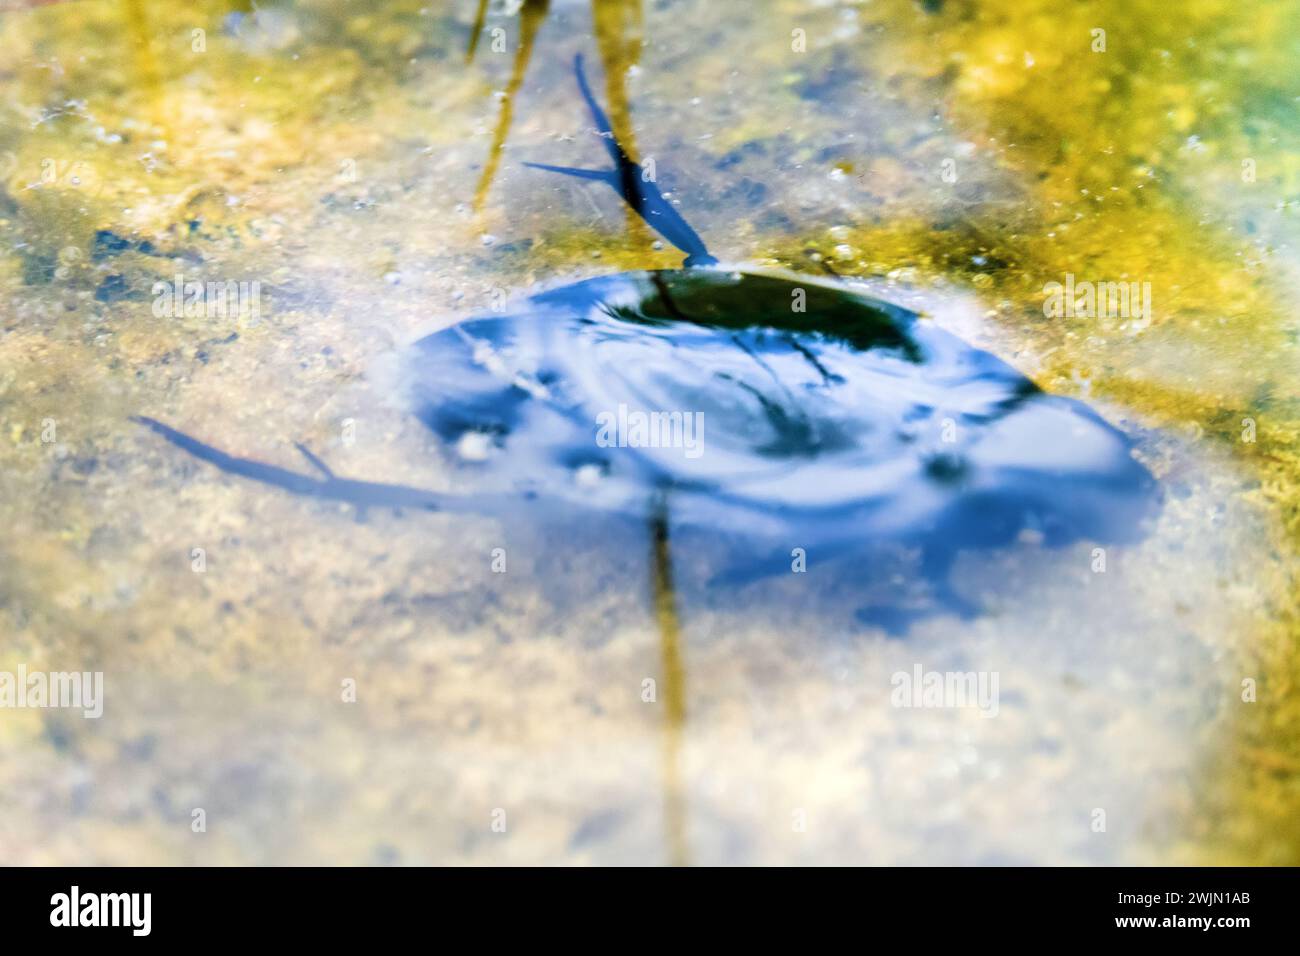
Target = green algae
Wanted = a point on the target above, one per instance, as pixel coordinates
(1108, 157)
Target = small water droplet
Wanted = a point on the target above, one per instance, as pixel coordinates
(474, 446)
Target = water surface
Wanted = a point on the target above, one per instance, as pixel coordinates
(367, 168)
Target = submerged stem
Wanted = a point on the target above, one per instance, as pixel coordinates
(674, 682)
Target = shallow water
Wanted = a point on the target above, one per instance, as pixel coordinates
(369, 175)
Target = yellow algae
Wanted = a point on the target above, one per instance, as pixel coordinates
(1220, 300)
